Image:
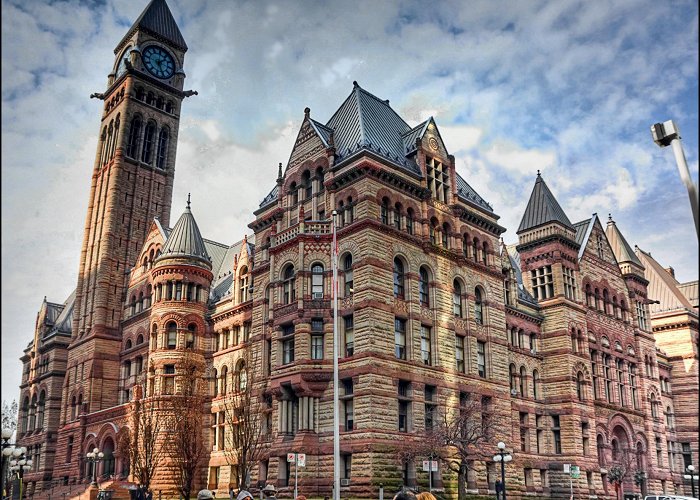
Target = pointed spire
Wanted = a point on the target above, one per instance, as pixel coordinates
(185, 240)
(542, 208)
(622, 250)
(157, 20)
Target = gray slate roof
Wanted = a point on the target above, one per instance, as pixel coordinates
(542, 208)
(622, 250)
(185, 240)
(523, 294)
(157, 20)
(467, 193)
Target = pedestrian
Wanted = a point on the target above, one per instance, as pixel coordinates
(243, 494)
(499, 488)
(426, 495)
(270, 492)
(405, 495)
(149, 495)
(205, 495)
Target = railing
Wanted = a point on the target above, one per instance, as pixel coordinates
(304, 227)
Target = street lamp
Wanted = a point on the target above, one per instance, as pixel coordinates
(94, 457)
(19, 465)
(691, 475)
(502, 456)
(667, 133)
(7, 449)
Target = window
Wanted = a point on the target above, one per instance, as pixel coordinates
(172, 335)
(426, 341)
(243, 285)
(594, 372)
(308, 185)
(438, 179)
(511, 378)
(424, 287)
(459, 353)
(584, 437)
(169, 379)
(579, 386)
(397, 216)
(289, 285)
(524, 432)
(162, 148)
(316, 346)
(556, 434)
(445, 236)
(430, 406)
(600, 445)
(535, 384)
(540, 433)
(542, 283)
(457, 299)
(478, 307)
(654, 406)
(523, 382)
(345, 466)
(191, 331)
(384, 211)
(349, 330)
(481, 358)
(400, 338)
(641, 315)
(287, 344)
(409, 221)
(687, 455)
(134, 137)
(148, 138)
(633, 385)
(242, 377)
(399, 279)
(607, 377)
(348, 406)
(619, 366)
(404, 404)
(569, 284)
(347, 267)
(317, 281)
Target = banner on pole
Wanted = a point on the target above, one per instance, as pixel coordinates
(429, 465)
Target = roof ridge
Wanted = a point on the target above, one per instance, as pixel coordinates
(384, 102)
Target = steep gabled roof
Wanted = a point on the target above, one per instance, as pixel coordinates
(622, 250)
(157, 20)
(323, 132)
(542, 208)
(364, 121)
(185, 240)
(584, 229)
(523, 294)
(467, 193)
(662, 286)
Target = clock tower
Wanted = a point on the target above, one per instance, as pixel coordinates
(132, 183)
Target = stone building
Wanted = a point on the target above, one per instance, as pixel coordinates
(553, 337)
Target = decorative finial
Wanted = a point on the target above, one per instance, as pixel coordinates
(307, 112)
(279, 171)
(188, 201)
(355, 84)
(538, 172)
(610, 218)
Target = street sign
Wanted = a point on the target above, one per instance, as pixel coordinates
(430, 465)
(298, 458)
(575, 471)
(567, 467)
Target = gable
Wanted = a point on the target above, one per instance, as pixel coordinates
(598, 247)
(432, 142)
(307, 145)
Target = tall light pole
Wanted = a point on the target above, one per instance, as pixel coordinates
(691, 475)
(7, 449)
(94, 457)
(667, 133)
(336, 419)
(19, 464)
(502, 456)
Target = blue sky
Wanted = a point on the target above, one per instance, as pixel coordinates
(567, 87)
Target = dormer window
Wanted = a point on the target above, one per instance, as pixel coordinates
(438, 179)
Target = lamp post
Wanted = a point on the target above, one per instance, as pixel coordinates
(7, 449)
(19, 464)
(691, 475)
(502, 456)
(94, 457)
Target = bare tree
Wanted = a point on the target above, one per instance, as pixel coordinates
(9, 415)
(462, 434)
(185, 443)
(146, 453)
(623, 468)
(243, 417)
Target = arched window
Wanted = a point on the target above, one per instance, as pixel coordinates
(154, 337)
(150, 98)
(293, 194)
(433, 230)
(149, 297)
(191, 333)
(139, 339)
(317, 281)
(475, 249)
(148, 139)
(590, 302)
(399, 279)
(409, 221)
(478, 307)
(350, 211)
(347, 269)
(535, 383)
(308, 186)
(289, 285)
(215, 383)
(601, 449)
(397, 216)
(654, 406)
(242, 377)
(133, 305)
(115, 139)
(615, 445)
(140, 94)
(162, 148)
(597, 299)
(485, 254)
(606, 301)
(108, 148)
(511, 377)
(523, 382)
(74, 409)
(424, 286)
(457, 299)
(669, 417)
(128, 345)
(172, 335)
(40, 410)
(615, 309)
(384, 211)
(579, 386)
(139, 303)
(243, 285)
(446, 235)
(224, 376)
(103, 142)
(465, 245)
(132, 147)
(320, 179)
(159, 102)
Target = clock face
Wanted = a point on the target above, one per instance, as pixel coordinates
(158, 62)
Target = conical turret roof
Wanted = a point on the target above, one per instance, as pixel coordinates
(185, 240)
(542, 208)
(622, 250)
(157, 20)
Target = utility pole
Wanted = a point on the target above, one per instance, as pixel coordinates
(336, 420)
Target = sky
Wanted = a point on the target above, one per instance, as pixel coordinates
(566, 87)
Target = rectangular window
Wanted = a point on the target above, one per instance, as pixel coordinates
(287, 351)
(608, 378)
(671, 457)
(400, 338)
(585, 437)
(438, 179)
(409, 224)
(556, 434)
(569, 284)
(426, 341)
(403, 416)
(169, 379)
(542, 283)
(481, 358)
(659, 452)
(459, 353)
(345, 466)
(687, 455)
(172, 339)
(524, 432)
(594, 372)
(349, 328)
(540, 433)
(641, 315)
(619, 365)
(316, 346)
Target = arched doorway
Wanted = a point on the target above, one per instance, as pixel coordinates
(108, 450)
